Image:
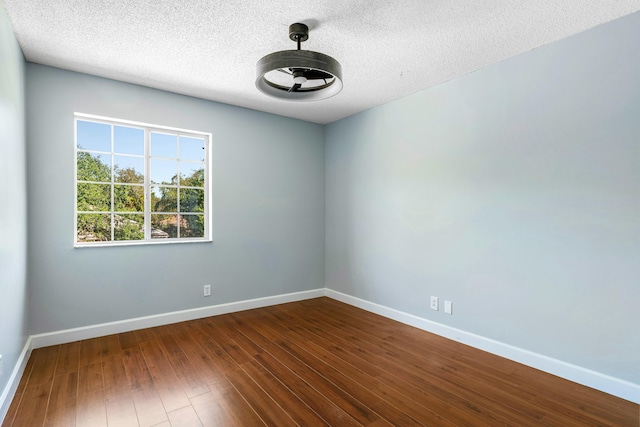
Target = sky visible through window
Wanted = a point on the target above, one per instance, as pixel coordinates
(94, 136)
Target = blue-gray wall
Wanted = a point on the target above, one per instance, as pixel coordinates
(513, 192)
(268, 208)
(13, 203)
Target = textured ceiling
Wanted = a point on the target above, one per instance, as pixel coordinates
(209, 48)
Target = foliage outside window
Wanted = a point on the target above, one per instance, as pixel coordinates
(139, 183)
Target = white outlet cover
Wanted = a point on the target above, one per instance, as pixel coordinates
(448, 307)
(434, 303)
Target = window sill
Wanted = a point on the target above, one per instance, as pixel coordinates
(140, 243)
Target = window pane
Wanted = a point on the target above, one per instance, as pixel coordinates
(128, 198)
(133, 178)
(94, 197)
(164, 199)
(93, 136)
(164, 171)
(128, 169)
(94, 228)
(191, 200)
(94, 167)
(164, 226)
(128, 227)
(191, 148)
(191, 225)
(192, 174)
(163, 145)
(128, 140)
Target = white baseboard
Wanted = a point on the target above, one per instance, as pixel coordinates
(93, 331)
(12, 385)
(611, 385)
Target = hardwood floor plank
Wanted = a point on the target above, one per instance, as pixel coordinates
(229, 324)
(466, 380)
(15, 403)
(316, 362)
(89, 352)
(429, 408)
(184, 417)
(235, 405)
(110, 346)
(428, 352)
(144, 335)
(392, 415)
(127, 340)
(207, 370)
(68, 358)
(44, 365)
(285, 398)
(577, 401)
(119, 404)
(306, 392)
(160, 331)
(352, 406)
(435, 408)
(186, 374)
(33, 407)
(90, 405)
(463, 397)
(266, 408)
(210, 411)
(426, 412)
(375, 402)
(61, 411)
(520, 395)
(580, 398)
(164, 378)
(12, 411)
(468, 404)
(148, 404)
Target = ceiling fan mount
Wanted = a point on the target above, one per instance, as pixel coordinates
(299, 75)
(299, 32)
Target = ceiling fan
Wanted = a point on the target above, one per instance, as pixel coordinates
(299, 75)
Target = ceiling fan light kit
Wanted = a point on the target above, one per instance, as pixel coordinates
(299, 75)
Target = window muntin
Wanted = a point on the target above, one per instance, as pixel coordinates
(139, 183)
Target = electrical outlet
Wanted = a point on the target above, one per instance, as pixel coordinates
(207, 290)
(448, 307)
(434, 303)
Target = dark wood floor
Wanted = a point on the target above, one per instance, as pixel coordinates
(310, 363)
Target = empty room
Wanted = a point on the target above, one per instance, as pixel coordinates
(319, 213)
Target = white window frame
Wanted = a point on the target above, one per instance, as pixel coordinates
(148, 129)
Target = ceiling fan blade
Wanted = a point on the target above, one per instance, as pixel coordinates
(317, 75)
(295, 87)
(284, 71)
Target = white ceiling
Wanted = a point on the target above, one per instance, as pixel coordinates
(209, 48)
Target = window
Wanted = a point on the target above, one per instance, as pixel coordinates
(139, 183)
